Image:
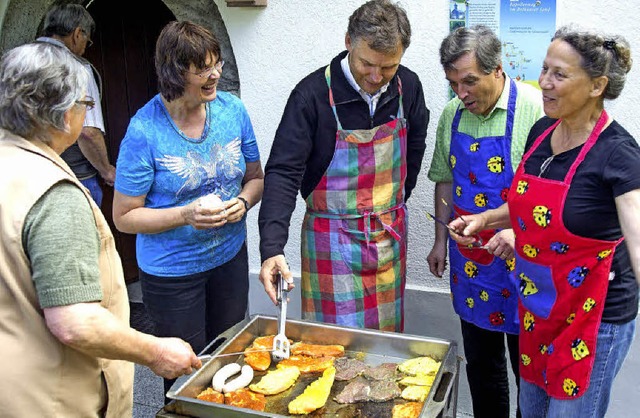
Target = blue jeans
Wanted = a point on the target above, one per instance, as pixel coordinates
(94, 189)
(612, 348)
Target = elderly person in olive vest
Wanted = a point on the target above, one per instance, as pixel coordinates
(64, 331)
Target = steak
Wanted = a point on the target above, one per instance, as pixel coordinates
(385, 371)
(363, 390)
(348, 368)
(384, 390)
(355, 391)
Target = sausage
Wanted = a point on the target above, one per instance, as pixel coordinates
(223, 374)
(241, 381)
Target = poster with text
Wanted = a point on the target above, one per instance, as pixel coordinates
(525, 28)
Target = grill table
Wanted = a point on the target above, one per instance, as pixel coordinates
(372, 346)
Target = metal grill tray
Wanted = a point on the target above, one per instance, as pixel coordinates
(372, 346)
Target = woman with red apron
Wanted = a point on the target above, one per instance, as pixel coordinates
(564, 279)
(355, 228)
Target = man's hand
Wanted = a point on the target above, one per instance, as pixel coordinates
(175, 358)
(437, 259)
(269, 274)
(93, 147)
(109, 175)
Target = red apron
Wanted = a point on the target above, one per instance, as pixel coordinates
(563, 281)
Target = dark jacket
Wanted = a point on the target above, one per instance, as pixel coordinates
(305, 141)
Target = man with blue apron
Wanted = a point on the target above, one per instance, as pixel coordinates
(480, 140)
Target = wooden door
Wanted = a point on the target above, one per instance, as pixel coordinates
(123, 50)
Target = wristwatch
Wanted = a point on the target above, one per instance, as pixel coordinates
(246, 204)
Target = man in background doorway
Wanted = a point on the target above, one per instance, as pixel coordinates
(71, 26)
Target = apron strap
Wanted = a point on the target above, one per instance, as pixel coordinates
(327, 77)
(400, 114)
(511, 109)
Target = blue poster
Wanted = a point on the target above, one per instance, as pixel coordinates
(524, 26)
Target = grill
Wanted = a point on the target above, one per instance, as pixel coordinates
(372, 346)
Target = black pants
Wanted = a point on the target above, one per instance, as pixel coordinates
(487, 369)
(198, 307)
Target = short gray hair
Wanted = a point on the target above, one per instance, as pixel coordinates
(601, 55)
(39, 83)
(479, 40)
(382, 24)
(61, 20)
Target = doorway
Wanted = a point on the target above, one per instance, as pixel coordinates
(123, 53)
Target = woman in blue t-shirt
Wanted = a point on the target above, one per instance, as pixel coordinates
(187, 173)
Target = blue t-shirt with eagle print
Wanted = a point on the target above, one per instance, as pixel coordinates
(157, 160)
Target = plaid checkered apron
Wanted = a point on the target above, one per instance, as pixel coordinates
(354, 233)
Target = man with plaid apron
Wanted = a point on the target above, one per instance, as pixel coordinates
(351, 139)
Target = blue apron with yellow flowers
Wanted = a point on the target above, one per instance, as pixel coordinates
(482, 286)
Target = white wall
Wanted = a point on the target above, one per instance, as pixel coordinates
(277, 46)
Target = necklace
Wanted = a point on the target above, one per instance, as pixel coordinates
(545, 164)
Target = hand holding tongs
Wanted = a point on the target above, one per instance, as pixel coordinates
(280, 341)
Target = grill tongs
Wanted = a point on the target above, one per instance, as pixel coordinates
(280, 341)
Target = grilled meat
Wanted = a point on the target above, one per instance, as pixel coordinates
(356, 391)
(211, 395)
(244, 398)
(383, 390)
(308, 364)
(317, 350)
(348, 368)
(385, 371)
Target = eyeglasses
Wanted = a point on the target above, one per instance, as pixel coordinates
(206, 73)
(88, 102)
(89, 41)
